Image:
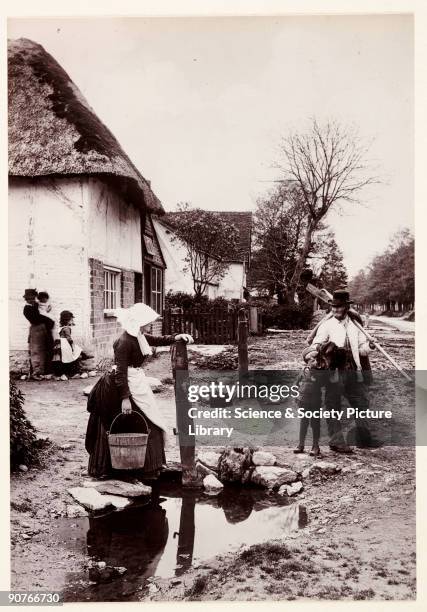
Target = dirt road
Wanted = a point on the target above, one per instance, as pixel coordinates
(360, 538)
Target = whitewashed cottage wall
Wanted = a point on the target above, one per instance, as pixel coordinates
(56, 225)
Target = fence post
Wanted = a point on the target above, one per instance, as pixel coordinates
(190, 478)
(253, 318)
(243, 341)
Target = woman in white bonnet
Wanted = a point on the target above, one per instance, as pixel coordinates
(125, 389)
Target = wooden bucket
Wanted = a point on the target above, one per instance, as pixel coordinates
(127, 450)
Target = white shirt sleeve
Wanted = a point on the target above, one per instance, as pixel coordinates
(322, 334)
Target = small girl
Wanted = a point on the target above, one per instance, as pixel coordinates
(310, 383)
(66, 358)
(322, 368)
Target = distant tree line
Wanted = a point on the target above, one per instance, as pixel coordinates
(388, 282)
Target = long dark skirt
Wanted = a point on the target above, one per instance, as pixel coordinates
(104, 405)
(40, 348)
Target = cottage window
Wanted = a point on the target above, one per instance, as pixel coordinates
(157, 289)
(111, 288)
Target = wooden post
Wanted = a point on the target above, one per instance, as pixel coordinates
(253, 314)
(243, 341)
(183, 421)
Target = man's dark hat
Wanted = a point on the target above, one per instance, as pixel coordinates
(341, 297)
(30, 293)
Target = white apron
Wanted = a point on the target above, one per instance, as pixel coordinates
(69, 353)
(143, 397)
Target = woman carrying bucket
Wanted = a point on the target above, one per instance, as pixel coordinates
(125, 390)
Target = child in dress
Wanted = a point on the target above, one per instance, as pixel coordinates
(67, 353)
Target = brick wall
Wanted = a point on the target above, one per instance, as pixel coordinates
(128, 288)
(104, 328)
(157, 328)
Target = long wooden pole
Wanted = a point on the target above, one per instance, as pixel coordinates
(381, 350)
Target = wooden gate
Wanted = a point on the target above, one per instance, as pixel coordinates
(213, 326)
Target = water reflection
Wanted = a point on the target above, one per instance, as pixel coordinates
(170, 534)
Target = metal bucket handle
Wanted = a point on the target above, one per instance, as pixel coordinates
(133, 412)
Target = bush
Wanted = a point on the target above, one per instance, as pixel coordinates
(287, 316)
(180, 299)
(25, 447)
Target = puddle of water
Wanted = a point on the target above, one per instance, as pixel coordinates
(164, 538)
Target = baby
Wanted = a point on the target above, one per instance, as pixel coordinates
(45, 307)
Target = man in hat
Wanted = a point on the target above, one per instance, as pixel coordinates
(341, 330)
(40, 339)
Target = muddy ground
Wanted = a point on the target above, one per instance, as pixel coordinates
(359, 542)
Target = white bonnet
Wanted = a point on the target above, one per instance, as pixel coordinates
(134, 317)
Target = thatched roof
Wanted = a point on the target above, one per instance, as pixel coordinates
(54, 131)
(242, 221)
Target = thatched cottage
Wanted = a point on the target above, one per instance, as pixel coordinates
(78, 207)
(178, 278)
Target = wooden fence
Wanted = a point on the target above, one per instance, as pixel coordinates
(216, 326)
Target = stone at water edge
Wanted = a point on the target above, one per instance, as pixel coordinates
(291, 489)
(212, 485)
(89, 498)
(92, 374)
(202, 470)
(233, 464)
(117, 501)
(22, 468)
(124, 489)
(209, 458)
(263, 458)
(272, 476)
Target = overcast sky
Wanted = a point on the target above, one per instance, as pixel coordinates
(199, 104)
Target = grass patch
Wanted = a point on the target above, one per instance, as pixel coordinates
(197, 588)
(268, 551)
(364, 594)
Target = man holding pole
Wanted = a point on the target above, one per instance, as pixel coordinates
(345, 333)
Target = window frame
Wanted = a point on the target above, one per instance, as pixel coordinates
(112, 296)
(156, 289)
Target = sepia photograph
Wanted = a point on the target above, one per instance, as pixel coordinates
(211, 308)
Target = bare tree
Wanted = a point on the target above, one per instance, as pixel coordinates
(328, 165)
